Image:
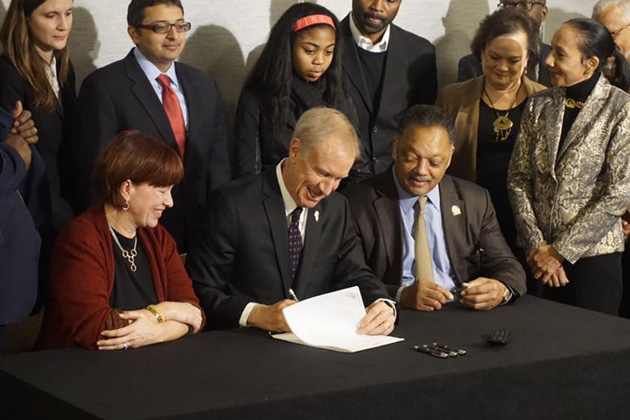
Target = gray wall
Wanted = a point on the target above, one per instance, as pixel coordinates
(227, 35)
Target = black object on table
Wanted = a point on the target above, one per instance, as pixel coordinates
(499, 337)
(562, 363)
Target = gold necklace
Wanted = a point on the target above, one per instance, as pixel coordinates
(130, 256)
(503, 124)
(572, 103)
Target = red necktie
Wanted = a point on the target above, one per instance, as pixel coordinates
(174, 112)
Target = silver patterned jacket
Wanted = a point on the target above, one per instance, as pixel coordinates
(572, 198)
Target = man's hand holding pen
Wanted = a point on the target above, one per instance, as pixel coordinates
(270, 317)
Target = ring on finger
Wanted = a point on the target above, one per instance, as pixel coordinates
(125, 345)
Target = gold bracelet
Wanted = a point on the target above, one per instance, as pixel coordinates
(159, 315)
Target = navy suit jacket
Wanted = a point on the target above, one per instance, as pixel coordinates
(119, 97)
(242, 255)
(410, 78)
(19, 241)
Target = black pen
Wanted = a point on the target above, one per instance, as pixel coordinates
(450, 352)
(433, 352)
(444, 347)
(457, 292)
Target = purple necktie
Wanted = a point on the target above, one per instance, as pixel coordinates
(295, 241)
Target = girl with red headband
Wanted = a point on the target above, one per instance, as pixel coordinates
(299, 69)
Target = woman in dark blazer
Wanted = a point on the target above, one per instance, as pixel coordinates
(35, 69)
(299, 69)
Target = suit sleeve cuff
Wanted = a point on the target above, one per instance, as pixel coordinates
(391, 304)
(508, 296)
(245, 315)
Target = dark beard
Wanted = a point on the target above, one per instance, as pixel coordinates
(370, 28)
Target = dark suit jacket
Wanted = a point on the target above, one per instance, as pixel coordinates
(469, 67)
(19, 242)
(119, 97)
(375, 208)
(242, 255)
(410, 78)
(54, 130)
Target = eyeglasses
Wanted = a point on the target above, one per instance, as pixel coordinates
(618, 31)
(164, 28)
(525, 6)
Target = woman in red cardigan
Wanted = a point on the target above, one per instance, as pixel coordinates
(117, 280)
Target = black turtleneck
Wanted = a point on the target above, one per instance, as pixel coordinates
(579, 92)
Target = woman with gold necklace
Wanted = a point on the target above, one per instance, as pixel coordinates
(116, 279)
(569, 177)
(488, 109)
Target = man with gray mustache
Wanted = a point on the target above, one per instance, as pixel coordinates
(432, 238)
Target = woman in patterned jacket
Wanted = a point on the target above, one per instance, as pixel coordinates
(569, 176)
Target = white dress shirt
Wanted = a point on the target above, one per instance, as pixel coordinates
(366, 43)
(289, 203)
(51, 75)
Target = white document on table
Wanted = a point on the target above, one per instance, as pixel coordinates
(330, 321)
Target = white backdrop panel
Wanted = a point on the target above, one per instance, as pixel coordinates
(227, 35)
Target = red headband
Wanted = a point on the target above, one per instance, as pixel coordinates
(307, 21)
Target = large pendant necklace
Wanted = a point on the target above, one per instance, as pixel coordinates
(503, 124)
(130, 256)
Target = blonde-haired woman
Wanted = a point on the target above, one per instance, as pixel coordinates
(36, 70)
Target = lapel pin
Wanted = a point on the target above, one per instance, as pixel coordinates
(316, 215)
(456, 210)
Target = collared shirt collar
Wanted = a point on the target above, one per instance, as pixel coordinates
(366, 43)
(151, 70)
(289, 203)
(407, 201)
(51, 75)
(53, 65)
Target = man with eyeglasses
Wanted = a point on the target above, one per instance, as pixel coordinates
(615, 15)
(149, 91)
(469, 66)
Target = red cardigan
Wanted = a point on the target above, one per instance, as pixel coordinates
(82, 279)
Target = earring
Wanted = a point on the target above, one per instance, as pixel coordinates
(125, 207)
